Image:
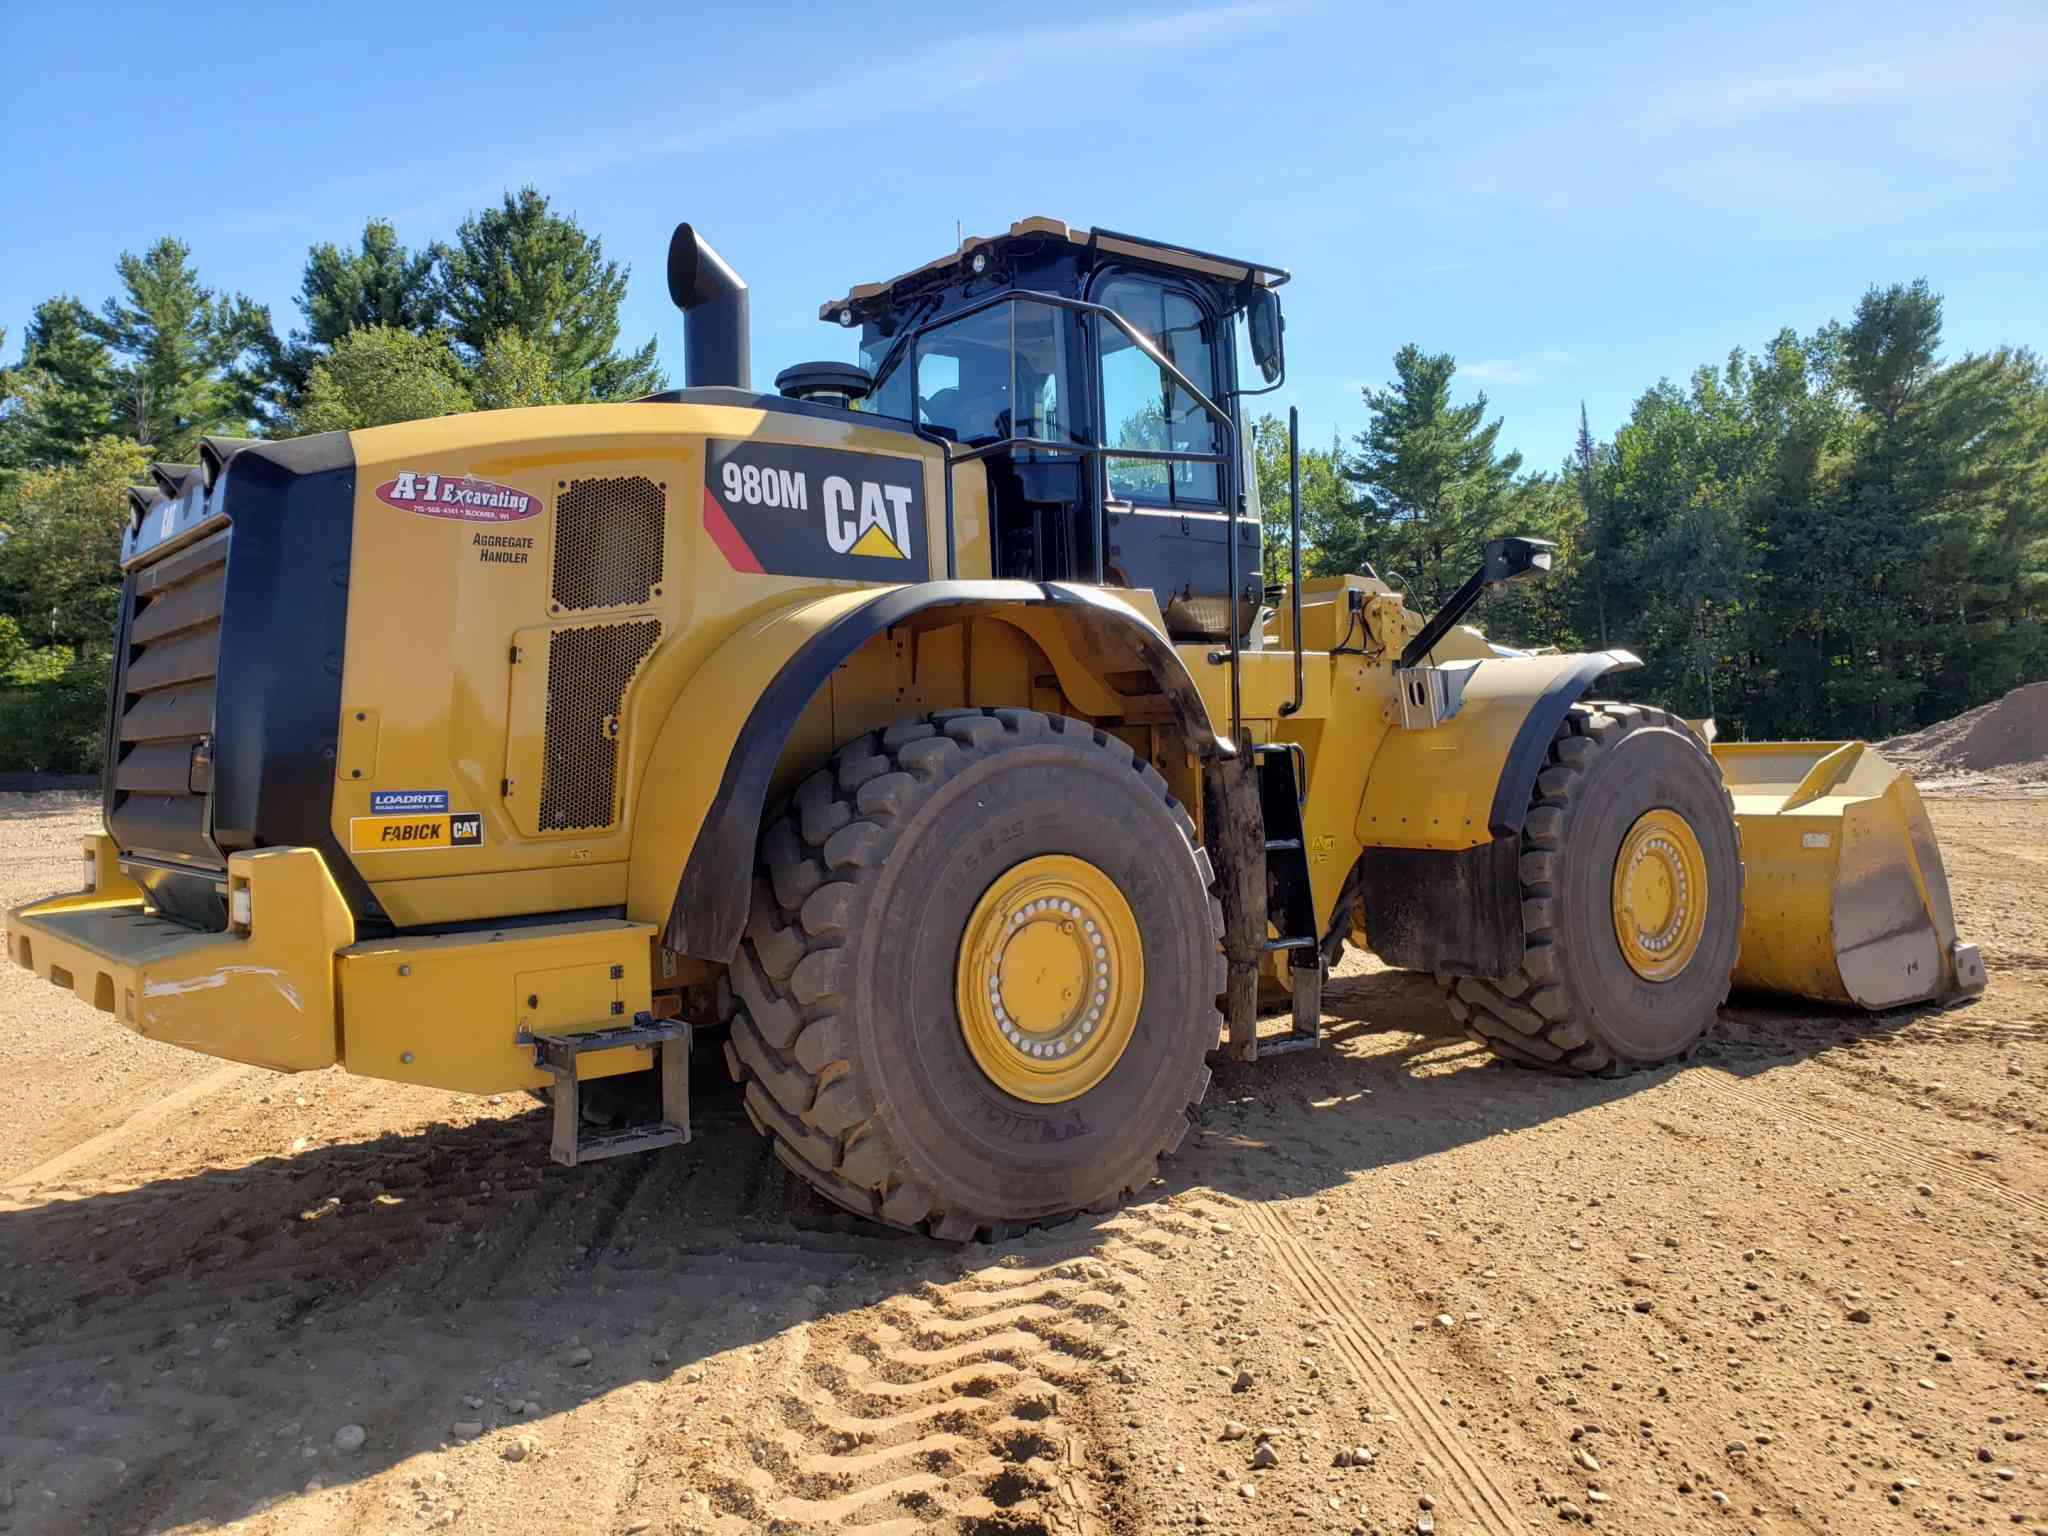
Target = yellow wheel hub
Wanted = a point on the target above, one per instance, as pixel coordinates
(1051, 971)
(1660, 895)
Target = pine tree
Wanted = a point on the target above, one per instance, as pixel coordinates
(520, 268)
(60, 397)
(1433, 489)
(380, 283)
(181, 349)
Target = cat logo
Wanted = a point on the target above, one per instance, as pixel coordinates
(883, 525)
(789, 509)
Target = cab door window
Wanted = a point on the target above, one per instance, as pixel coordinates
(1143, 408)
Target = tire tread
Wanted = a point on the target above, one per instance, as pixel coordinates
(1528, 1017)
(786, 1046)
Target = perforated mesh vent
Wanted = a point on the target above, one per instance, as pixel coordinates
(588, 673)
(608, 538)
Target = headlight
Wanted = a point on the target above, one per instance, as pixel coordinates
(241, 910)
(92, 874)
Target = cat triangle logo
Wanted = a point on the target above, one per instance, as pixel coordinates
(876, 541)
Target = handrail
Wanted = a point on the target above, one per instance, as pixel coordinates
(1294, 541)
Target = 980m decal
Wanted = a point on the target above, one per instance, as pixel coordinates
(787, 510)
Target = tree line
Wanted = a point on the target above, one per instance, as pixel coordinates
(520, 308)
(1839, 534)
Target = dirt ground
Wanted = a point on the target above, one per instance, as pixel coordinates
(1796, 1283)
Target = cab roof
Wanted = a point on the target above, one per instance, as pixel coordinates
(1106, 241)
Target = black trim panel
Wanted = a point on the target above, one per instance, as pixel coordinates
(1460, 912)
(1532, 742)
(710, 909)
(277, 718)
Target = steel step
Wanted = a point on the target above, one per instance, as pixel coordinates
(667, 1039)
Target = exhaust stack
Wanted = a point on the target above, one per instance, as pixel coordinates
(713, 300)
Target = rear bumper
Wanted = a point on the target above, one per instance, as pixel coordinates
(444, 1010)
(262, 993)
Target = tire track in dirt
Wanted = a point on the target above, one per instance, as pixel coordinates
(1467, 1479)
(959, 1405)
(201, 1304)
(1914, 1158)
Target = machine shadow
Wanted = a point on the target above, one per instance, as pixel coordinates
(186, 1349)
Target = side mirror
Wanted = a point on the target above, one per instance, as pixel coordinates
(1512, 558)
(1265, 329)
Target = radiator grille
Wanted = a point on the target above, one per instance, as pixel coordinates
(161, 765)
(589, 670)
(608, 542)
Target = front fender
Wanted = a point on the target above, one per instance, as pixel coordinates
(1441, 818)
(707, 782)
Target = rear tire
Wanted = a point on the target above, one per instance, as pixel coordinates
(850, 1043)
(1576, 1004)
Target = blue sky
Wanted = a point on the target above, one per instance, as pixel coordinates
(1574, 200)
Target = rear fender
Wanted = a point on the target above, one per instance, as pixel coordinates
(706, 786)
(1441, 818)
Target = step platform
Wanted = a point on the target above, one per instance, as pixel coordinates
(574, 1143)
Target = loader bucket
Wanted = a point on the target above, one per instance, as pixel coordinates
(1844, 898)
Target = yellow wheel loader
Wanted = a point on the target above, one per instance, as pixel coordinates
(925, 734)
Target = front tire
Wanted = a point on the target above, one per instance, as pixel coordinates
(856, 1046)
(1631, 874)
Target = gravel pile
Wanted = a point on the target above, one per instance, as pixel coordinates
(2005, 740)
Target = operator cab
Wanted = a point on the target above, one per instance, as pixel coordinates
(1101, 465)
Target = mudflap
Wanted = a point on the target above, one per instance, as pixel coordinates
(1456, 912)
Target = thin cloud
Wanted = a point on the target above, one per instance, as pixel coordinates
(1797, 135)
(968, 67)
(1984, 63)
(1985, 240)
(1531, 368)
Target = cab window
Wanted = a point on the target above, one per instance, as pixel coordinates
(988, 378)
(1143, 408)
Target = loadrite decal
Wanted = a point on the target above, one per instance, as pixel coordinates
(409, 834)
(457, 497)
(396, 801)
(792, 511)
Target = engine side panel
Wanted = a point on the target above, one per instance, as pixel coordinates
(530, 590)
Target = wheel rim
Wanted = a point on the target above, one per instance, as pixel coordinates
(1050, 974)
(1660, 895)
